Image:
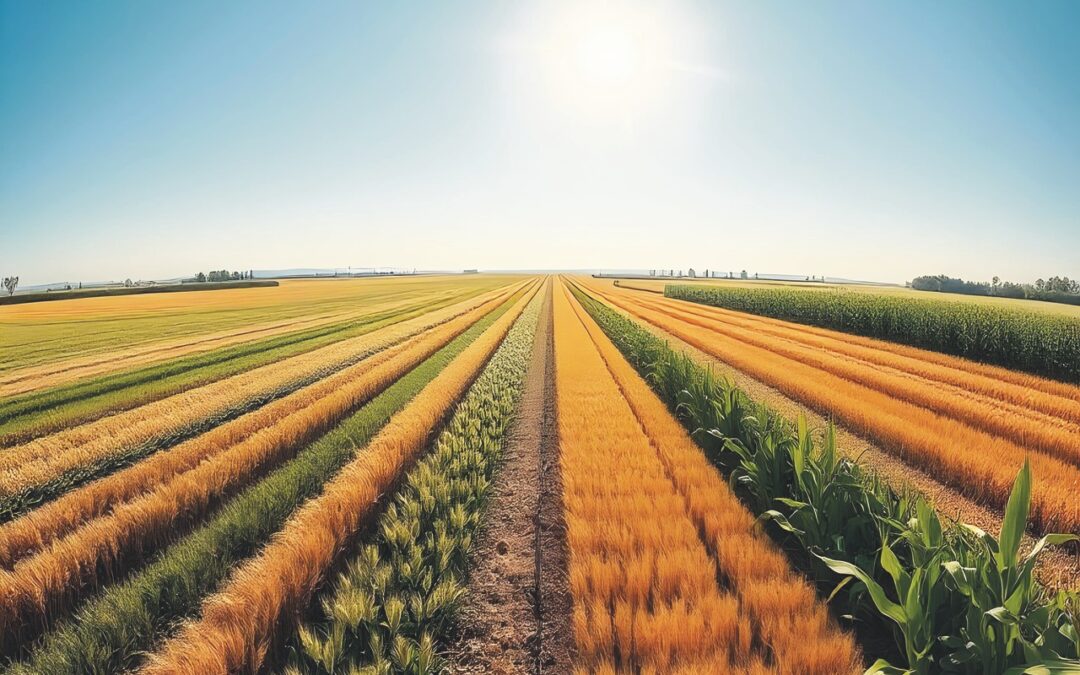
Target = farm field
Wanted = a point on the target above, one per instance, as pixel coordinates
(970, 425)
(332, 341)
(888, 290)
(510, 473)
(55, 332)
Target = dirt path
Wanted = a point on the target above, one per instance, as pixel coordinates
(1059, 568)
(502, 628)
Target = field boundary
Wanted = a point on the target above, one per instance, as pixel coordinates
(51, 296)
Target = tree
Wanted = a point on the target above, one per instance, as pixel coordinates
(1040, 284)
(745, 275)
(200, 277)
(10, 283)
(996, 281)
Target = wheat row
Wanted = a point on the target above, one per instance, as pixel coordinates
(1053, 397)
(242, 621)
(33, 378)
(42, 586)
(1021, 424)
(972, 461)
(38, 528)
(53, 373)
(1032, 393)
(44, 459)
(401, 587)
(665, 572)
(1050, 397)
(781, 607)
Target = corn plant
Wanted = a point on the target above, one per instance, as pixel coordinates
(1006, 620)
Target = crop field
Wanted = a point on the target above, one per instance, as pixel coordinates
(67, 333)
(310, 478)
(658, 285)
(1038, 343)
(969, 424)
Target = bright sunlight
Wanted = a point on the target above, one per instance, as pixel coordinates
(608, 62)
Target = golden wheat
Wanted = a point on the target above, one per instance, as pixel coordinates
(38, 528)
(970, 460)
(645, 589)
(52, 374)
(780, 606)
(39, 333)
(1020, 424)
(1018, 387)
(240, 623)
(44, 459)
(43, 585)
(1025, 392)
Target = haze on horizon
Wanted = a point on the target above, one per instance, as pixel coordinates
(871, 141)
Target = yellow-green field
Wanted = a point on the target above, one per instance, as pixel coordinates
(35, 333)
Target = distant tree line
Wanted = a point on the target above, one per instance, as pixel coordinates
(1054, 289)
(223, 275)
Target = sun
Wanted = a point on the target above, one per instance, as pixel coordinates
(610, 61)
(595, 65)
(609, 55)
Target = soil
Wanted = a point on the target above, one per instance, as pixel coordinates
(1058, 568)
(516, 615)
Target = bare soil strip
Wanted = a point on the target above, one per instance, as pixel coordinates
(1059, 568)
(516, 617)
(555, 643)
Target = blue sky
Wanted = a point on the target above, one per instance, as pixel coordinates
(865, 140)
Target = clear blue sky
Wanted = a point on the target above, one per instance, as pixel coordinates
(861, 139)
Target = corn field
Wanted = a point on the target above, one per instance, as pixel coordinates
(1035, 343)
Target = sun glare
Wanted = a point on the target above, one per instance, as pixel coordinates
(609, 55)
(609, 61)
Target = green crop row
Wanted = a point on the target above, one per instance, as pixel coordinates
(1036, 343)
(113, 632)
(36, 413)
(954, 598)
(387, 611)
